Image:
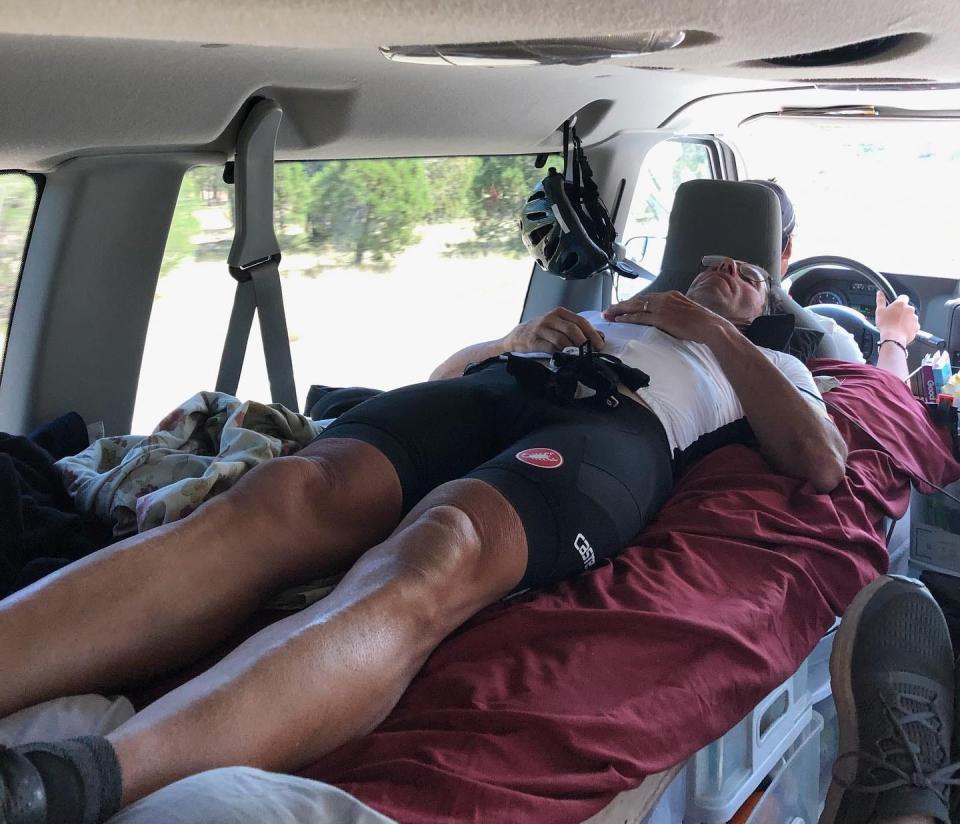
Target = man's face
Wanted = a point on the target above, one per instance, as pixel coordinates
(721, 288)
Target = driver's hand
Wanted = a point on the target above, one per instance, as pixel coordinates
(552, 332)
(898, 320)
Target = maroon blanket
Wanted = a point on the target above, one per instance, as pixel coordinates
(545, 709)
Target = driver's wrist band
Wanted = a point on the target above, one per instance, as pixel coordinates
(895, 343)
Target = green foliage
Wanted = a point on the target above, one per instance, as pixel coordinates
(499, 188)
(184, 225)
(451, 181)
(368, 206)
(210, 186)
(366, 209)
(291, 195)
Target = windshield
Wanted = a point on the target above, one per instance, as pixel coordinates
(884, 193)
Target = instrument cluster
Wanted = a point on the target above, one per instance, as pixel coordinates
(846, 289)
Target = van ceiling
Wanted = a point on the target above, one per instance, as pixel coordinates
(104, 76)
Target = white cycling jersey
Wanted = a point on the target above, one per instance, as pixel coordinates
(688, 390)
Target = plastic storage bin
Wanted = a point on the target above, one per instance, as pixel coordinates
(935, 538)
(725, 772)
(829, 742)
(672, 804)
(818, 661)
(794, 795)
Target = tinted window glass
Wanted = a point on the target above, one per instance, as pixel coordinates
(18, 200)
(665, 167)
(388, 267)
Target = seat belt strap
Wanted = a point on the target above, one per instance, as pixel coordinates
(260, 291)
(238, 333)
(254, 262)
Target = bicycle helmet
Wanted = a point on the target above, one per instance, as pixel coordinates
(554, 233)
(565, 225)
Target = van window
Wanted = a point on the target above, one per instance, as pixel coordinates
(388, 267)
(665, 167)
(18, 201)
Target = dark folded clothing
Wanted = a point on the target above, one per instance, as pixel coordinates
(37, 521)
(330, 402)
(66, 435)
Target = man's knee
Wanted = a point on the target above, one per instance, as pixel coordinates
(289, 481)
(454, 561)
(445, 543)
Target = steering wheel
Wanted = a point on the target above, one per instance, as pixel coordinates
(864, 333)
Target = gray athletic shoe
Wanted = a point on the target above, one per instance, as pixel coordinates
(893, 684)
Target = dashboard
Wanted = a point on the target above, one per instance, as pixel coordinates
(836, 286)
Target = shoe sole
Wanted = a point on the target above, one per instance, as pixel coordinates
(841, 681)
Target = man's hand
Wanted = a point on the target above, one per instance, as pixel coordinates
(548, 333)
(671, 312)
(552, 332)
(898, 320)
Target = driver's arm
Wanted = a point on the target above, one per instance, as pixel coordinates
(547, 333)
(898, 323)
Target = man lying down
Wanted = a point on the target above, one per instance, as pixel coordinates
(438, 498)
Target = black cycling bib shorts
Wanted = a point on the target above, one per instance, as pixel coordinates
(584, 480)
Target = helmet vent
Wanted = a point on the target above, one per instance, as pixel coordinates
(539, 233)
(569, 261)
(551, 247)
(538, 195)
(536, 215)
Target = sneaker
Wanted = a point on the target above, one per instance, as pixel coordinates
(955, 795)
(892, 673)
(22, 797)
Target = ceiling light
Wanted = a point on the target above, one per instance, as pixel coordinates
(570, 51)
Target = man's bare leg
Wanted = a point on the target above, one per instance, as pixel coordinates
(909, 819)
(161, 599)
(308, 684)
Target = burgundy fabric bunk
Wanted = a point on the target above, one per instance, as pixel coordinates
(545, 708)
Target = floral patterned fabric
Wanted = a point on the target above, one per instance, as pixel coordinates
(197, 451)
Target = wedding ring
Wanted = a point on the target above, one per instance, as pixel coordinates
(643, 308)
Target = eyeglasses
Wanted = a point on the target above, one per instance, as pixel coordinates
(749, 272)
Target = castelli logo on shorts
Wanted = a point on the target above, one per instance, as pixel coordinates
(541, 457)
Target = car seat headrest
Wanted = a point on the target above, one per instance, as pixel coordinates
(719, 217)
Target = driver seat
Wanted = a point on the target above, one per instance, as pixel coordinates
(740, 220)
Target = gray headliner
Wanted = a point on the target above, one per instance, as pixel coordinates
(100, 77)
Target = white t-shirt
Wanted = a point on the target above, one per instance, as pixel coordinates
(688, 390)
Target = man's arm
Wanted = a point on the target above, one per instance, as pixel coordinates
(453, 366)
(547, 333)
(794, 436)
(797, 439)
(897, 322)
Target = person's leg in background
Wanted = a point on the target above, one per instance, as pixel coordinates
(163, 598)
(306, 685)
(892, 672)
(302, 687)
